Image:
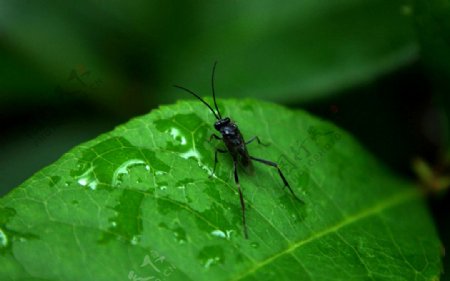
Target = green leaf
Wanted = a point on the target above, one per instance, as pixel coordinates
(138, 203)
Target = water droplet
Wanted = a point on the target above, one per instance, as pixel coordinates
(3, 239)
(135, 240)
(163, 187)
(254, 245)
(147, 167)
(82, 182)
(175, 133)
(212, 261)
(159, 173)
(191, 153)
(124, 169)
(211, 255)
(116, 152)
(180, 235)
(88, 179)
(219, 233)
(54, 180)
(93, 185)
(120, 224)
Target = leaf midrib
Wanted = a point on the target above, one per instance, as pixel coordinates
(388, 203)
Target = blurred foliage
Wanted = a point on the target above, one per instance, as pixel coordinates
(433, 26)
(432, 19)
(292, 52)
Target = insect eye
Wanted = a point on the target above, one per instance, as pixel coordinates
(217, 125)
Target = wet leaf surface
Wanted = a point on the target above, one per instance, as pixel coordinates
(138, 203)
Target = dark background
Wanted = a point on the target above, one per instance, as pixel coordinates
(380, 70)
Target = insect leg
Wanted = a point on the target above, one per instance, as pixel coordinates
(215, 137)
(275, 165)
(241, 197)
(215, 159)
(257, 139)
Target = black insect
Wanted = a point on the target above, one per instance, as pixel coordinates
(236, 146)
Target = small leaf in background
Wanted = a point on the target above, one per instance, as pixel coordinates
(137, 203)
(432, 19)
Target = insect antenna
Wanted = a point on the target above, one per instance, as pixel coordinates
(198, 97)
(213, 91)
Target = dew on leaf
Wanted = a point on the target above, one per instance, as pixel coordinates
(54, 180)
(184, 182)
(3, 239)
(222, 234)
(176, 134)
(103, 164)
(211, 255)
(189, 122)
(180, 235)
(124, 169)
(176, 126)
(87, 179)
(127, 223)
(218, 233)
(208, 219)
(135, 240)
(191, 153)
